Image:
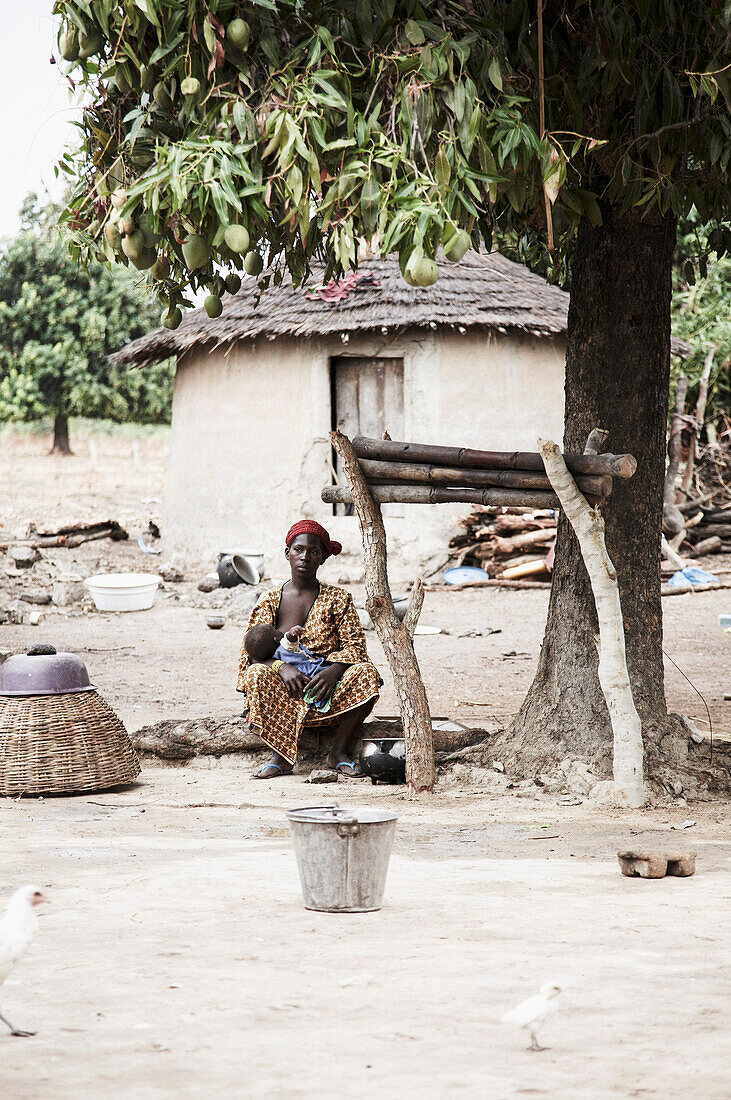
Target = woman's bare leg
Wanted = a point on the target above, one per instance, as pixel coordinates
(346, 734)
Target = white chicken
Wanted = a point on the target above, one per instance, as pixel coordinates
(533, 1013)
(17, 929)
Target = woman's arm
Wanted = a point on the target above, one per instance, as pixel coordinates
(351, 646)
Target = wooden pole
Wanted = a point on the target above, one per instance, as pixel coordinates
(622, 466)
(588, 526)
(431, 494)
(700, 416)
(673, 521)
(445, 475)
(393, 635)
(676, 426)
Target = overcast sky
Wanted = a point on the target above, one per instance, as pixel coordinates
(35, 111)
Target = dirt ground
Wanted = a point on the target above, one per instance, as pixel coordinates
(176, 959)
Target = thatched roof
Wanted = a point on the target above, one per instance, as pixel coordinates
(484, 291)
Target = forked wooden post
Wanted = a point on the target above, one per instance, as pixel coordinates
(588, 525)
(395, 636)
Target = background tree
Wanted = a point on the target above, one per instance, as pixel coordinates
(583, 130)
(702, 315)
(58, 324)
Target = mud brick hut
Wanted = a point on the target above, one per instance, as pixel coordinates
(476, 360)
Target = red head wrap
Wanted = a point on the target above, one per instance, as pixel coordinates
(309, 527)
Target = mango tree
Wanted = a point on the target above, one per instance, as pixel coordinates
(59, 323)
(219, 135)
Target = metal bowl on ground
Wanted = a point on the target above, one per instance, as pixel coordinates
(400, 606)
(384, 759)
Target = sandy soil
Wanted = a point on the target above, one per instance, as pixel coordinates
(176, 959)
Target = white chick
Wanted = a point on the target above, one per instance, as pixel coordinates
(533, 1013)
(17, 929)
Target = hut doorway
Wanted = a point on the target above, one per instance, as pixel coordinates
(366, 398)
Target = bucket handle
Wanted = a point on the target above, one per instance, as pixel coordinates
(348, 827)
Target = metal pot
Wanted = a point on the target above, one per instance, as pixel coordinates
(233, 569)
(384, 759)
(43, 671)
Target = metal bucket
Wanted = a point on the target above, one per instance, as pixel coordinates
(342, 856)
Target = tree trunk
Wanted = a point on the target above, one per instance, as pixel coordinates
(617, 377)
(61, 445)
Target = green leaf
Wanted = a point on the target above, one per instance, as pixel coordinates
(147, 6)
(295, 184)
(414, 33)
(327, 39)
(591, 208)
(459, 100)
(495, 75)
(442, 171)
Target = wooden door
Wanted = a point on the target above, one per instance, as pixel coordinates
(367, 399)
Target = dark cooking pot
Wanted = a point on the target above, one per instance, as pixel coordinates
(234, 569)
(384, 759)
(43, 671)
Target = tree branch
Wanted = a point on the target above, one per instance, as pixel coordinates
(613, 675)
(394, 636)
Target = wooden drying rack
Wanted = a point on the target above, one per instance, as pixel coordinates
(380, 471)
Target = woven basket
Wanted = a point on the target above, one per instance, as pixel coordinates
(50, 744)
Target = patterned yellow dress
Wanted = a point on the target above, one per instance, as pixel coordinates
(333, 631)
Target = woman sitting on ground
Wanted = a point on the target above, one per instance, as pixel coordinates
(274, 690)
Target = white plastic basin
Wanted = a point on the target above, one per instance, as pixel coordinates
(123, 591)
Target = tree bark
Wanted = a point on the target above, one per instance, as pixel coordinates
(61, 445)
(617, 375)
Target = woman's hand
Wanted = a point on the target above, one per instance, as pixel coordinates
(322, 684)
(295, 681)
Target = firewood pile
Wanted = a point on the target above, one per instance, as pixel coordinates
(510, 543)
(697, 512)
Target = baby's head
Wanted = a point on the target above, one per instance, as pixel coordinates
(261, 641)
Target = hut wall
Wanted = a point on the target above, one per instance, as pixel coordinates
(250, 450)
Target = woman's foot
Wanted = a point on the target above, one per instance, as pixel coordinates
(344, 766)
(274, 768)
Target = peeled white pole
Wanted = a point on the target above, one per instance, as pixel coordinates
(588, 524)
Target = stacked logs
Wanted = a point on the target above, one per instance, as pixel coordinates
(700, 524)
(420, 473)
(711, 534)
(510, 543)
